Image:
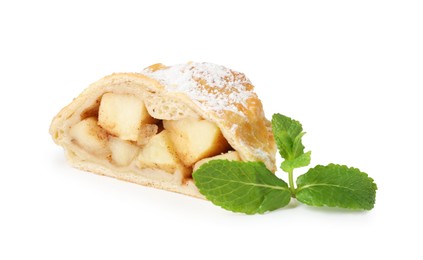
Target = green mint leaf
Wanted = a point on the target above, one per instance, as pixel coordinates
(288, 135)
(301, 161)
(247, 187)
(336, 186)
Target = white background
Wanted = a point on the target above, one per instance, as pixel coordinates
(350, 71)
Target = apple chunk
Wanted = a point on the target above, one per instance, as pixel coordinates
(159, 153)
(90, 136)
(230, 156)
(122, 115)
(195, 139)
(123, 152)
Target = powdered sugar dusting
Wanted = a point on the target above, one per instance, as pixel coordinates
(211, 86)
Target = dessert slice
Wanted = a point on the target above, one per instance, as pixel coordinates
(155, 127)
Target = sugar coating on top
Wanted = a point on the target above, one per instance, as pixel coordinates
(210, 86)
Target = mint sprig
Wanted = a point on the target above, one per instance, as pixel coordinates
(249, 187)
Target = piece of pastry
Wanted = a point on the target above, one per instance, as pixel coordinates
(153, 128)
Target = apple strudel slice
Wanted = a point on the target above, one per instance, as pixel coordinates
(155, 127)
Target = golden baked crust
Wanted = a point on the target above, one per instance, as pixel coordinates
(198, 90)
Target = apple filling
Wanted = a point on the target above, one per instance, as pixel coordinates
(124, 133)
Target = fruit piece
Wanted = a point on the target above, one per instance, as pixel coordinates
(159, 153)
(147, 131)
(195, 139)
(90, 136)
(231, 156)
(122, 115)
(123, 152)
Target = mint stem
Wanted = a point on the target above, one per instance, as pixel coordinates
(291, 182)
